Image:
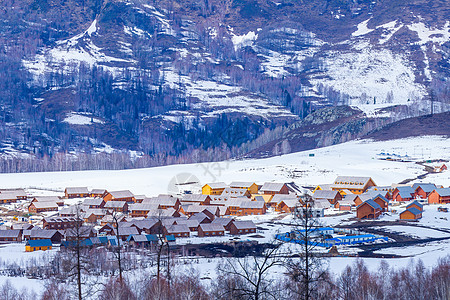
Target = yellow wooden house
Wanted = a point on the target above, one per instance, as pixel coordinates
(36, 245)
(250, 186)
(354, 184)
(214, 188)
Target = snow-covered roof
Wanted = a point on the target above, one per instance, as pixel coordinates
(143, 206)
(244, 224)
(350, 182)
(241, 184)
(122, 194)
(371, 203)
(272, 187)
(426, 187)
(77, 190)
(412, 210)
(194, 198)
(325, 194)
(9, 233)
(45, 204)
(115, 204)
(93, 201)
(212, 227)
(217, 185)
(177, 228)
(443, 192)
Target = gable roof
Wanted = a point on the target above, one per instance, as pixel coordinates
(245, 184)
(325, 194)
(351, 182)
(194, 198)
(272, 186)
(122, 194)
(412, 210)
(416, 203)
(177, 228)
(143, 207)
(93, 201)
(76, 190)
(212, 227)
(46, 199)
(216, 185)
(244, 224)
(163, 200)
(371, 203)
(426, 187)
(252, 204)
(39, 243)
(381, 197)
(8, 195)
(46, 204)
(405, 191)
(10, 233)
(223, 221)
(351, 197)
(98, 191)
(115, 204)
(443, 192)
(290, 202)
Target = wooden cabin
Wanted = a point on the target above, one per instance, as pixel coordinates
(199, 199)
(403, 193)
(94, 202)
(11, 235)
(225, 222)
(415, 204)
(250, 186)
(8, 197)
(141, 209)
(41, 234)
(177, 230)
(242, 227)
(249, 208)
(38, 207)
(36, 245)
(212, 229)
(60, 223)
(97, 193)
(117, 206)
(411, 213)
(92, 215)
(355, 184)
(215, 188)
(422, 190)
(330, 196)
(233, 193)
(439, 196)
(124, 195)
(272, 188)
(287, 205)
(164, 202)
(76, 192)
(368, 210)
(383, 202)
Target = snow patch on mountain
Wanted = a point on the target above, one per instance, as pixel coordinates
(240, 41)
(371, 76)
(362, 29)
(434, 35)
(81, 119)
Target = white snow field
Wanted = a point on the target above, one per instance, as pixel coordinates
(356, 158)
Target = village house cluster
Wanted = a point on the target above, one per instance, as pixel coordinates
(137, 219)
(361, 194)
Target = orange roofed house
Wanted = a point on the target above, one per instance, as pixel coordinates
(439, 196)
(354, 184)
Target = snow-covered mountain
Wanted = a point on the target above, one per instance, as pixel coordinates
(172, 77)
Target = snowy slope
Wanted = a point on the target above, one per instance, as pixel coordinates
(356, 158)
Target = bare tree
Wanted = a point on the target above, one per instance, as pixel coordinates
(248, 277)
(306, 271)
(78, 257)
(117, 250)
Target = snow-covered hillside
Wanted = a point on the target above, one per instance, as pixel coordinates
(356, 158)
